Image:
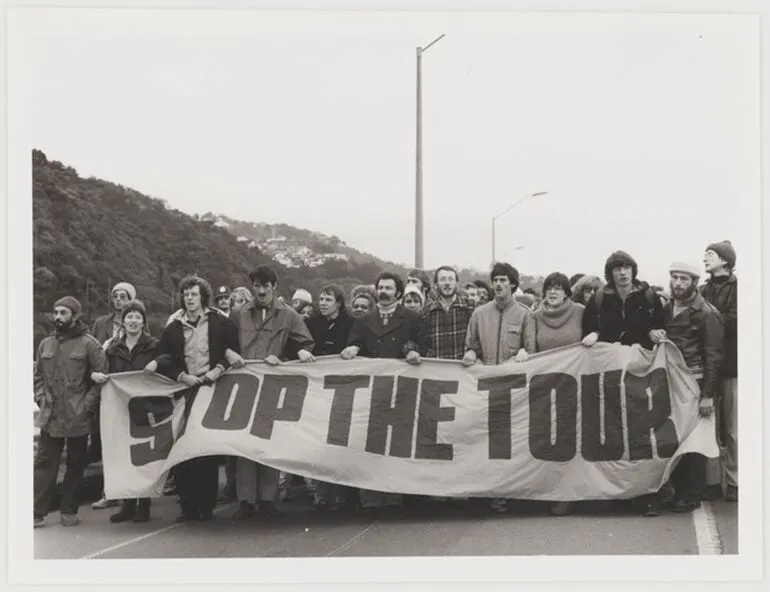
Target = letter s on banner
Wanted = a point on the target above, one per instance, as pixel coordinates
(150, 418)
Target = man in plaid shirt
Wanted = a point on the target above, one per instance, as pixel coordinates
(447, 317)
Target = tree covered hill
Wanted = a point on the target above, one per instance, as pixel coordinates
(89, 234)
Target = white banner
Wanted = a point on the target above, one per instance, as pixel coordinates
(569, 424)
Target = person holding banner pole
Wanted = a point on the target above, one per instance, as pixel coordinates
(266, 329)
(559, 323)
(499, 331)
(192, 351)
(628, 312)
(389, 331)
(697, 329)
(132, 351)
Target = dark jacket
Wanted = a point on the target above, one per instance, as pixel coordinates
(103, 328)
(723, 295)
(120, 359)
(627, 322)
(170, 350)
(330, 337)
(404, 332)
(698, 332)
(67, 397)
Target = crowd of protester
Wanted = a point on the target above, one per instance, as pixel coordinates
(423, 316)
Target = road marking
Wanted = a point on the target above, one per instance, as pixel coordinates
(142, 537)
(706, 532)
(349, 543)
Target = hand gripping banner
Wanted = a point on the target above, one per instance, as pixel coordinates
(570, 424)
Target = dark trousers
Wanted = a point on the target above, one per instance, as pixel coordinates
(197, 482)
(689, 478)
(47, 462)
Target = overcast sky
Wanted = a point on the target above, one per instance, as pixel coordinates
(643, 129)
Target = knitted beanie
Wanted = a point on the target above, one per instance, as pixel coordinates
(619, 259)
(127, 287)
(725, 250)
(302, 296)
(69, 302)
(685, 267)
(412, 289)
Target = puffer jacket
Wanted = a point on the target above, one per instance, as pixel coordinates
(67, 397)
(698, 332)
(497, 333)
(723, 295)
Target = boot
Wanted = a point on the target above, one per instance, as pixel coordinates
(142, 513)
(126, 512)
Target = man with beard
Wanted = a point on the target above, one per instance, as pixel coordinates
(389, 331)
(721, 290)
(447, 317)
(106, 329)
(697, 329)
(267, 329)
(471, 294)
(192, 351)
(484, 292)
(500, 331)
(68, 400)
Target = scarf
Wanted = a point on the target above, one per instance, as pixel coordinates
(557, 317)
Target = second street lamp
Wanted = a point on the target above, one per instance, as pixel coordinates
(494, 218)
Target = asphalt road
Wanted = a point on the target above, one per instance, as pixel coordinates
(526, 530)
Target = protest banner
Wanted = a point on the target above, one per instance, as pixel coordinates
(570, 424)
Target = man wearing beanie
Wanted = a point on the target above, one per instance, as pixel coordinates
(625, 311)
(721, 290)
(105, 329)
(697, 329)
(68, 399)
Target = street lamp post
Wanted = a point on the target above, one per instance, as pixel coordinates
(494, 218)
(418, 235)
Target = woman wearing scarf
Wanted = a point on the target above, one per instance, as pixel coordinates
(559, 323)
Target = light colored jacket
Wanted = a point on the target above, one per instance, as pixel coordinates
(497, 335)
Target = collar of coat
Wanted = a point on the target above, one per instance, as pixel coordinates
(636, 286)
(120, 344)
(459, 302)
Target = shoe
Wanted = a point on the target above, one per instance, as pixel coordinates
(39, 521)
(142, 513)
(104, 503)
(69, 520)
(685, 507)
(651, 510)
(562, 509)
(268, 510)
(244, 512)
(732, 493)
(712, 492)
(126, 513)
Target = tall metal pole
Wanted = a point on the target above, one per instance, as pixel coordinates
(418, 258)
(493, 240)
(418, 222)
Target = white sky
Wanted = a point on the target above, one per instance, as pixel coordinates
(643, 129)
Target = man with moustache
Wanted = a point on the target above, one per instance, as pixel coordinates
(267, 329)
(697, 329)
(191, 351)
(68, 400)
(389, 331)
(721, 290)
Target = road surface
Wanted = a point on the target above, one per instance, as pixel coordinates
(526, 530)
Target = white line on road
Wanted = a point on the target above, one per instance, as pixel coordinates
(142, 537)
(706, 532)
(349, 543)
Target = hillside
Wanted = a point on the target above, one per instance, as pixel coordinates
(88, 234)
